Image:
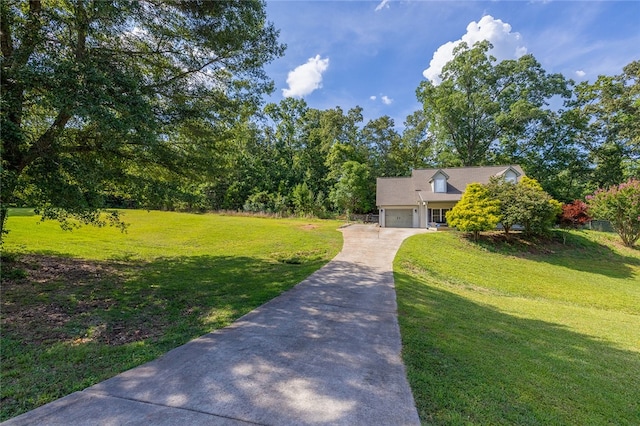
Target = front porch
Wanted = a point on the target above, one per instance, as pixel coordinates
(433, 226)
(432, 215)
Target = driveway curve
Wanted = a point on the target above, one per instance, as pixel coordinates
(325, 352)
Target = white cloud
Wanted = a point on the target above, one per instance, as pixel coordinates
(306, 78)
(580, 73)
(384, 4)
(383, 98)
(506, 44)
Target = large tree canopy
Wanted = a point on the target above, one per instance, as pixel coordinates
(96, 94)
(481, 104)
(611, 106)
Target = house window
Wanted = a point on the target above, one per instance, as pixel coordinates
(510, 177)
(439, 215)
(440, 185)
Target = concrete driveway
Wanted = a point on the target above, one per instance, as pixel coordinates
(325, 352)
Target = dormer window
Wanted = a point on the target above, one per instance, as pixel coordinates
(439, 182)
(510, 175)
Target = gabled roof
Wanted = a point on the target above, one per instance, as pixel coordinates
(518, 173)
(417, 188)
(439, 172)
(396, 191)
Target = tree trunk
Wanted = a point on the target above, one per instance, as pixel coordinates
(4, 213)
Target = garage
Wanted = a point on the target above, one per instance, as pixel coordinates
(399, 218)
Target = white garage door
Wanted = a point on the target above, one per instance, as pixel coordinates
(399, 218)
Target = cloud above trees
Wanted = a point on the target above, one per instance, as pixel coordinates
(506, 44)
(383, 98)
(306, 78)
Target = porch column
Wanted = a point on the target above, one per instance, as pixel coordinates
(424, 219)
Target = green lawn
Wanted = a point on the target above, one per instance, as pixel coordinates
(547, 333)
(81, 306)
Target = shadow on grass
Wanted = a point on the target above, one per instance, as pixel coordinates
(472, 364)
(69, 330)
(325, 352)
(569, 250)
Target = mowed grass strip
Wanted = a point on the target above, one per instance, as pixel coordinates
(81, 306)
(519, 333)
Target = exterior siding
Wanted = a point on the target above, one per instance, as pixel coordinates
(416, 192)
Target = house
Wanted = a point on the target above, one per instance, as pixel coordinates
(422, 200)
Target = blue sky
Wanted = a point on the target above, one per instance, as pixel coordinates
(374, 54)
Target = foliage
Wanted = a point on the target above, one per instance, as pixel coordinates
(417, 148)
(352, 191)
(537, 211)
(475, 212)
(107, 105)
(265, 202)
(552, 150)
(303, 200)
(480, 101)
(136, 97)
(575, 214)
(612, 105)
(620, 205)
(384, 144)
(507, 194)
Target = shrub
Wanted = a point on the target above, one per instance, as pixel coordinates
(475, 212)
(265, 202)
(524, 203)
(574, 214)
(506, 193)
(620, 205)
(538, 210)
(303, 200)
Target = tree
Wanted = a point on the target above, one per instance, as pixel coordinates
(507, 194)
(575, 214)
(417, 148)
(537, 211)
(620, 205)
(612, 107)
(552, 150)
(95, 93)
(286, 141)
(352, 191)
(383, 143)
(303, 199)
(475, 212)
(480, 104)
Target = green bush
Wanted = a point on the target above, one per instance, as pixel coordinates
(477, 211)
(620, 205)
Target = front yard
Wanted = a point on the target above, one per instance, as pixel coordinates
(79, 307)
(520, 333)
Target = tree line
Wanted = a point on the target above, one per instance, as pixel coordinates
(571, 138)
(105, 104)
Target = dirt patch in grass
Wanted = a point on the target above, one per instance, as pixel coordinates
(49, 299)
(308, 227)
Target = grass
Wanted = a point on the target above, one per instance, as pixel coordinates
(81, 306)
(521, 333)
